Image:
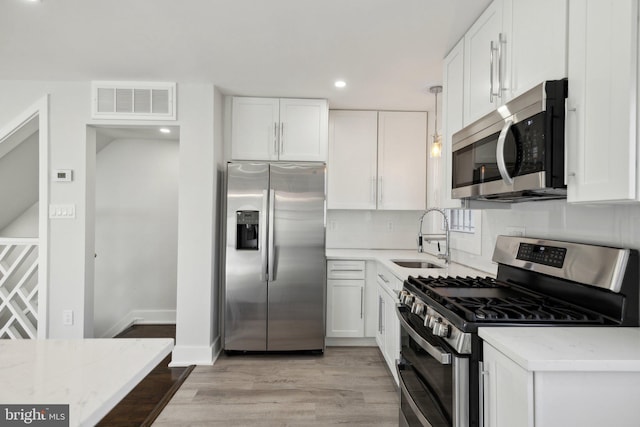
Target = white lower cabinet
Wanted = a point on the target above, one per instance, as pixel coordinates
(517, 397)
(345, 299)
(508, 391)
(388, 333)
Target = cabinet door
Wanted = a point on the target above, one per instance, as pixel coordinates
(402, 160)
(303, 130)
(452, 110)
(392, 334)
(508, 391)
(254, 128)
(345, 308)
(534, 55)
(601, 118)
(351, 168)
(478, 42)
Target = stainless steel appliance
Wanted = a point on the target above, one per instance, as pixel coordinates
(539, 282)
(275, 257)
(515, 153)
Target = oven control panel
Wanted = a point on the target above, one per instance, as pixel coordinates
(438, 324)
(542, 254)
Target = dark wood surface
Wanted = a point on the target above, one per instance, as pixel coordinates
(145, 402)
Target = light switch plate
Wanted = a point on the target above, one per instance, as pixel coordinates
(62, 211)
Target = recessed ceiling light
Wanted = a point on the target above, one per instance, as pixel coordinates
(340, 84)
(165, 130)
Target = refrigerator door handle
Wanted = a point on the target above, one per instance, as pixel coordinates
(271, 250)
(263, 237)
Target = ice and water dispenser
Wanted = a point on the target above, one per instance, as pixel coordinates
(247, 230)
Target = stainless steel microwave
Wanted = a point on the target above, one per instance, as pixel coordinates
(515, 153)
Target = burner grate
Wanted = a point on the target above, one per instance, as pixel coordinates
(486, 300)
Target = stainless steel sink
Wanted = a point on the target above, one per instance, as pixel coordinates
(414, 264)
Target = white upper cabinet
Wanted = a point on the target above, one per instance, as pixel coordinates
(353, 155)
(452, 109)
(602, 104)
(513, 46)
(377, 160)
(482, 52)
(402, 160)
(536, 44)
(279, 129)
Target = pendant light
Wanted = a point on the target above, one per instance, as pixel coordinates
(436, 145)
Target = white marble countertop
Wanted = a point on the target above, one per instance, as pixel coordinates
(613, 349)
(384, 256)
(91, 375)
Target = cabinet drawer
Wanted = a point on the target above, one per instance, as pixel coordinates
(345, 270)
(388, 279)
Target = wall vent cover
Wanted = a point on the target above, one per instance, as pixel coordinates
(133, 100)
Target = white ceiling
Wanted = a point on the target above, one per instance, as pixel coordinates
(388, 51)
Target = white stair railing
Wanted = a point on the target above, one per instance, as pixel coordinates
(18, 288)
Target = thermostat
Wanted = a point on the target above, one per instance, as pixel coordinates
(63, 175)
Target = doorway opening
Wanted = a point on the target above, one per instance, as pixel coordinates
(136, 227)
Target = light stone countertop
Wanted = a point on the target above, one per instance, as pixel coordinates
(91, 375)
(384, 257)
(612, 349)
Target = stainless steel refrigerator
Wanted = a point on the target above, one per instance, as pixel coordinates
(275, 257)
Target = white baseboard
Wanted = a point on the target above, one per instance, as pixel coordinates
(350, 342)
(142, 317)
(185, 355)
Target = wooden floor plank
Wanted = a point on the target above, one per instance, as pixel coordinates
(345, 386)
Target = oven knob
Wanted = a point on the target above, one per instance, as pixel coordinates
(427, 319)
(408, 299)
(433, 321)
(417, 308)
(441, 330)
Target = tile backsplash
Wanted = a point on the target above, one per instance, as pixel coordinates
(372, 229)
(609, 225)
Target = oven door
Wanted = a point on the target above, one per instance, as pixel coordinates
(434, 380)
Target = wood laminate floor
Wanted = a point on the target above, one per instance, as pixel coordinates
(348, 386)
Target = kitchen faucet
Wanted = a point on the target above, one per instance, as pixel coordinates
(429, 237)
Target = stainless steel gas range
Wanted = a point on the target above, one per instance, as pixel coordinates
(539, 282)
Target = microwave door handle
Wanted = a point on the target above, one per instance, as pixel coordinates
(502, 166)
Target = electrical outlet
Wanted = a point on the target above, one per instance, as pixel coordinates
(515, 231)
(67, 317)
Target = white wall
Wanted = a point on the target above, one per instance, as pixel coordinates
(19, 181)
(197, 333)
(136, 233)
(70, 245)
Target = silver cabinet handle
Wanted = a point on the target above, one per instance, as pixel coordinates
(380, 190)
(436, 352)
(502, 165)
(361, 303)
(379, 314)
(502, 41)
(491, 50)
(272, 245)
(384, 279)
(275, 139)
(373, 189)
(281, 138)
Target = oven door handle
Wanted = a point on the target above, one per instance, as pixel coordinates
(436, 352)
(412, 403)
(502, 165)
